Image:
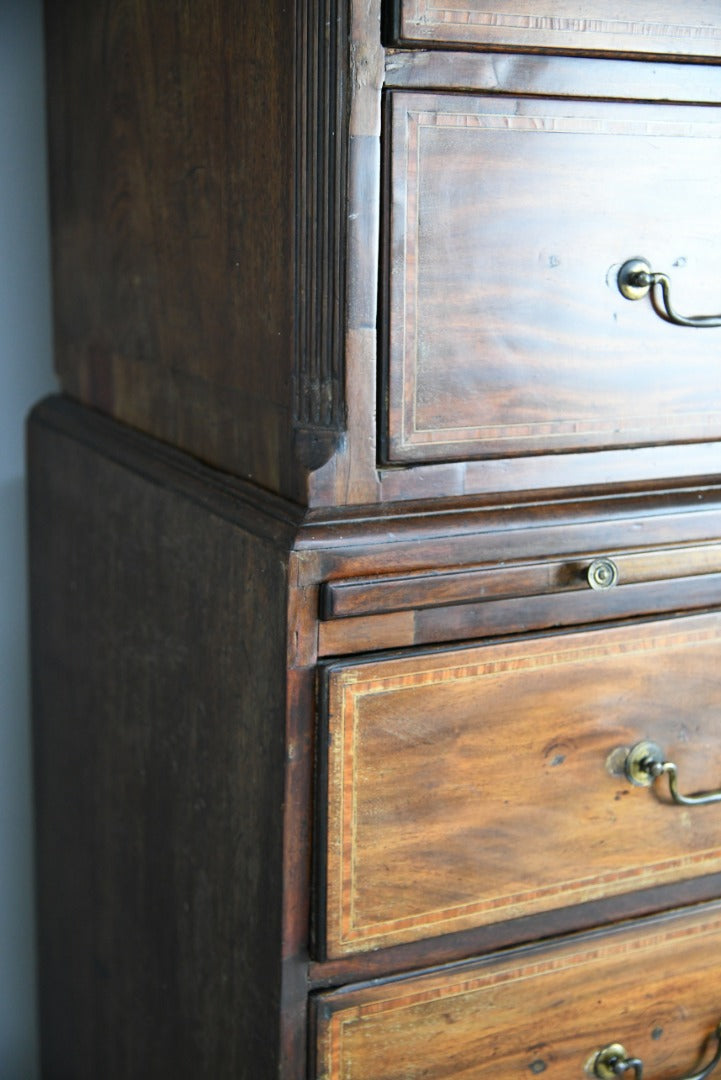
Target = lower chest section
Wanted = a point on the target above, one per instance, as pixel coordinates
(516, 836)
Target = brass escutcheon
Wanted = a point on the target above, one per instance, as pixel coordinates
(634, 279)
(646, 762)
(606, 1062)
(602, 574)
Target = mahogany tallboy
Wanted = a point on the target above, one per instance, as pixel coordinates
(376, 541)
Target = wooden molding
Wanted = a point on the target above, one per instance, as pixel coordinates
(321, 184)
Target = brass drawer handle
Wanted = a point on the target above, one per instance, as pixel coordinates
(645, 763)
(636, 277)
(614, 1061)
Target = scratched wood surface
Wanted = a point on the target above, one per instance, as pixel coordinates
(653, 988)
(659, 27)
(509, 220)
(471, 786)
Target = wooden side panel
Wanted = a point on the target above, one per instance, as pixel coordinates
(657, 27)
(159, 766)
(473, 786)
(653, 988)
(197, 165)
(509, 220)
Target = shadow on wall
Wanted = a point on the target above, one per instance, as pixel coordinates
(25, 376)
(17, 998)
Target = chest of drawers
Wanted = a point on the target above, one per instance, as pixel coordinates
(376, 542)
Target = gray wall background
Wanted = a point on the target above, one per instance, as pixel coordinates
(25, 376)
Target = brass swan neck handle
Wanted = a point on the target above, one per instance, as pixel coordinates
(613, 1061)
(636, 278)
(645, 763)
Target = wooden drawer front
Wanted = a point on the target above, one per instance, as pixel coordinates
(654, 989)
(509, 219)
(441, 588)
(470, 786)
(660, 27)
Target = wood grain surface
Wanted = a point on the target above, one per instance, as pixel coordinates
(216, 217)
(374, 285)
(197, 179)
(542, 75)
(472, 786)
(652, 987)
(509, 220)
(159, 758)
(656, 27)
(372, 596)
